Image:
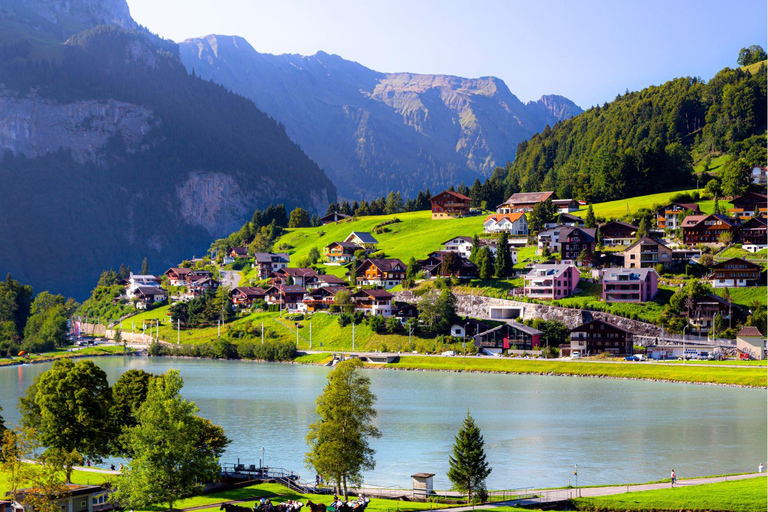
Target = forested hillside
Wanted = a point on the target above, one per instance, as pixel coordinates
(111, 152)
(645, 142)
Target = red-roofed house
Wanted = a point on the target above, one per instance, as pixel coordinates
(706, 229)
(512, 223)
(449, 205)
(523, 202)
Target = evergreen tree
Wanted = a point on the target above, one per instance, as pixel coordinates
(589, 221)
(332, 208)
(468, 467)
(486, 263)
(475, 249)
(463, 189)
(599, 244)
(144, 267)
(643, 228)
(503, 266)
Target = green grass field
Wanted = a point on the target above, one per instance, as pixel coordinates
(748, 376)
(708, 206)
(714, 165)
(746, 296)
(621, 207)
(736, 251)
(78, 477)
(747, 495)
(752, 68)
(64, 353)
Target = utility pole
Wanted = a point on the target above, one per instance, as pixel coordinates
(353, 334)
(262, 332)
(310, 332)
(178, 331)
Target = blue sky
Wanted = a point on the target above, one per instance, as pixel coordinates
(588, 51)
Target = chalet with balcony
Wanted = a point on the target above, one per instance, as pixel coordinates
(735, 273)
(266, 263)
(616, 233)
(566, 205)
(244, 296)
(630, 284)
(198, 285)
(548, 281)
(702, 313)
(381, 272)
(238, 253)
(333, 217)
(461, 245)
(434, 266)
(298, 276)
(523, 202)
(753, 234)
(750, 204)
(509, 336)
(373, 302)
(513, 223)
(321, 298)
(340, 253)
(706, 229)
(565, 219)
(449, 205)
(668, 217)
(574, 240)
(599, 336)
(178, 276)
(363, 239)
(148, 295)
(323, 280)
(290, 297)
(647, 253)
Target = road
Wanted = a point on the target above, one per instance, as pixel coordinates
(230, 278)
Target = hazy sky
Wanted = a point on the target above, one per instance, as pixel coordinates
(587, 50)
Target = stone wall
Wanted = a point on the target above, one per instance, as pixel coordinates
(477, 306)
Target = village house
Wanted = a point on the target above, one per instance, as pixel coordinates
(290, 297)
(515, 224)
(333, 217)
(574, 240)
(647, 253)
(143, 280)
(340, 253)
(753, 234)
(566, 205)
(706, 229)
(508, 336)
(616, 233)
(750, 204)
(599, 336)
(74, 498)
(523, 202)
(322, 281)
(565, 219)
(468, 328)
(548, 281)
(404, 311)
(735, 273)
(449, 205)
(321, 298)
(668, 217)
(759, 176)
(238, 252)
(266, 263)
(433, 266)
(384, 273)
(297, 276)
(751, 342)
(198, 284)
(703, 312)
(630, 285)
(363, 239)
(178, 276)
(244, 296)
(373, 302)
(148, 295)
(462, 245)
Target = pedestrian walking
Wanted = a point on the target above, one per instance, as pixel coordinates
(760, 468)
(674, 478)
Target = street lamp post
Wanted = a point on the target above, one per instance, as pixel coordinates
(263, 459)
(684, 328)
(576, 475)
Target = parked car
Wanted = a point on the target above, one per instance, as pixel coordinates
(576, 355)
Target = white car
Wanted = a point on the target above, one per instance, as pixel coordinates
(449, 353)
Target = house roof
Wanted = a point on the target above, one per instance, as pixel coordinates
(451, 193)
(599, 321)
(692, 221)
(240, 250)
(686, 206)
(563, 201)
(347, 245)
(384, 264)
(71, 490)
(149, 290)
(462, 238)
(755, 222)
(551, 269)
(722, 264)
(266, 257)
(755, 195)
(646, 240)
(363, 236)
(333, 216)
(287, 288)
(328, 278)
(749, 330)
(514, 325)
(619, 223)
(498, 217)
(530, 197)
(590, 233)
(374, 294)
(569, 218)
(635, 274)
(181, 271)
(249, 291)
(298, 272)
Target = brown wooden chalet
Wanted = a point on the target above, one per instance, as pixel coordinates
(618, 233)
(523, 202)
(599, 336)
(405, 311)
(333, 217)
(297, 276)
(340, 253)
(448, 204)
(750, 203)
(573, 240)
(373, 302)
(321, 280)
(735, 272)
(244, 295)
(287, 296)
(180, 276)
(239, 252)
(321, 298)
(433, 265)
(386, 273)
(701, 314)
(753, 232)
(706, 229)
(268, 262)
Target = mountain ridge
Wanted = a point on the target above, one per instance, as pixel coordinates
(391, 131)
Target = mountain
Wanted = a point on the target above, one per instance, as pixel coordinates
(374, 132)
(645, 142)
(112, 152)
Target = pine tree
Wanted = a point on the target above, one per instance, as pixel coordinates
(475, 249)
(144, 267)
(590, 221)
(331, 208)
(599, 240)
(503, 266)
(468, 467)
(642, 229)
(485, 261)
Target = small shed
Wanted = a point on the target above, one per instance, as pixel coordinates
(422, 484)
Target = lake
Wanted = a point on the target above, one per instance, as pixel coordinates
(536, 428)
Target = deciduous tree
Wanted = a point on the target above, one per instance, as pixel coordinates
(299, 218)
(338, 440)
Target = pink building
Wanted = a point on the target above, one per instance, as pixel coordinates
(630, 284)
(551, 281)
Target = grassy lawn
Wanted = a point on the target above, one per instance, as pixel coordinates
(714, 165)
(739, 496)
(63, 353)
(748, 376)
(78, 477)
(746, 296)
(620, 207)
(708, 206)
(737, 252)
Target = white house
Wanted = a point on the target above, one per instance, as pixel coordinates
(751, 341)
(512, 223)
(461, 245)
(759, 176)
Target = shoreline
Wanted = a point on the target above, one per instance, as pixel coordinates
(51, 359)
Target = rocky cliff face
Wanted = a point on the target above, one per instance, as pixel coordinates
(35, 126)
(375, 132)
(66, 17)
